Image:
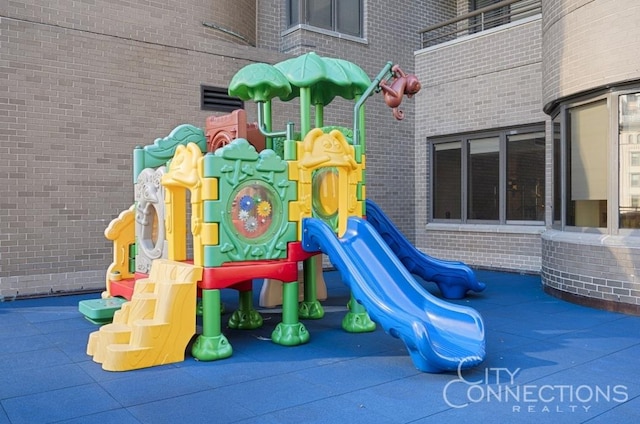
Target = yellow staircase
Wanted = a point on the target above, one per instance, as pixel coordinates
(155, 327)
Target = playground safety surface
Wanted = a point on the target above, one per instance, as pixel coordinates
(547, 361)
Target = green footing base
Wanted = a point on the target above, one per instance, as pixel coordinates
(310, 310)
(359, 322)
(290, 334)
(245, 320)
(211, 348)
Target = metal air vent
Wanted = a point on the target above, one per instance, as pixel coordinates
(218, 99)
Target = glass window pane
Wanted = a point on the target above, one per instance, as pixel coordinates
(483, 179)
(587, 178)
(447, 181)
(557, 171)
(525, 177)
(629, 158)
(348, 17)
(293, 12)
(319, 13)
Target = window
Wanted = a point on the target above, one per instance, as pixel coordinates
(629, 154)
(483, 178)
(597, 162)
(587, 165)
(447, 172)
(525, 183)
(557, 171)
(343, 16)
(493, 177)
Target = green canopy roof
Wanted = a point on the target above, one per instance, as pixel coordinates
(326, 78)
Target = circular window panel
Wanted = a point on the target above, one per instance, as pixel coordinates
(254, 211)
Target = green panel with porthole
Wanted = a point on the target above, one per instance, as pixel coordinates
(252, 210)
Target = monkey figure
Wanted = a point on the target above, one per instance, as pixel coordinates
(400, 85)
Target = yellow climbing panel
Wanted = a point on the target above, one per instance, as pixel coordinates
(155, 327)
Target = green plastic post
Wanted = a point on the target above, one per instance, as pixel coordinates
(211, 344)
(290, 145)
(268, 122)
(362, 141)
(358, 117)
(290, 332)
(263, 107)
(305, 109)
(310, 307)
(290, 303)
(319, 115)
(138, 162)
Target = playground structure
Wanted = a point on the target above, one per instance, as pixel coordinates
(218, 208)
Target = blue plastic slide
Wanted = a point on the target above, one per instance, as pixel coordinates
(454, 279)
(439, 336)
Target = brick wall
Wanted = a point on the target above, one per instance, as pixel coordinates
(600, 267)
(390, 34)
(83, 83)
(235, 20)
(480, 82)
(588, 44)
(81, 88)
(514, 249)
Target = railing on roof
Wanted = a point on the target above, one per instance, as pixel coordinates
(497, 14)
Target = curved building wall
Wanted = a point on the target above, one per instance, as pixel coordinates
(588, 44)
(589, 51)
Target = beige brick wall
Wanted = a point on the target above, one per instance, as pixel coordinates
(591, 265)
(80, 89)
(588, 44)
(480, 82)
(83, 83)
(507, 248)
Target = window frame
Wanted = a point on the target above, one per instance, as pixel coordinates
(611, 95)
(464, 139)
(302, 20)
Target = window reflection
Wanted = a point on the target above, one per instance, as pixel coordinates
(484, 179)
(629, 159)
(525, 177)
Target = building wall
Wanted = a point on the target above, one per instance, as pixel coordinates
(478, 82)
(86, 82)
(81, 88)
(587, 44)
(600, 270)
(390, 35)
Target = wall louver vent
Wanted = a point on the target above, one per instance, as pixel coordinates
(217, 99)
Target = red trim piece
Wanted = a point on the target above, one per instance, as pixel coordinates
(233, 273)
(295, 252)
(122, 288)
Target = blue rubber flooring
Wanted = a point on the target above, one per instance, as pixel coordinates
(547, 361)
